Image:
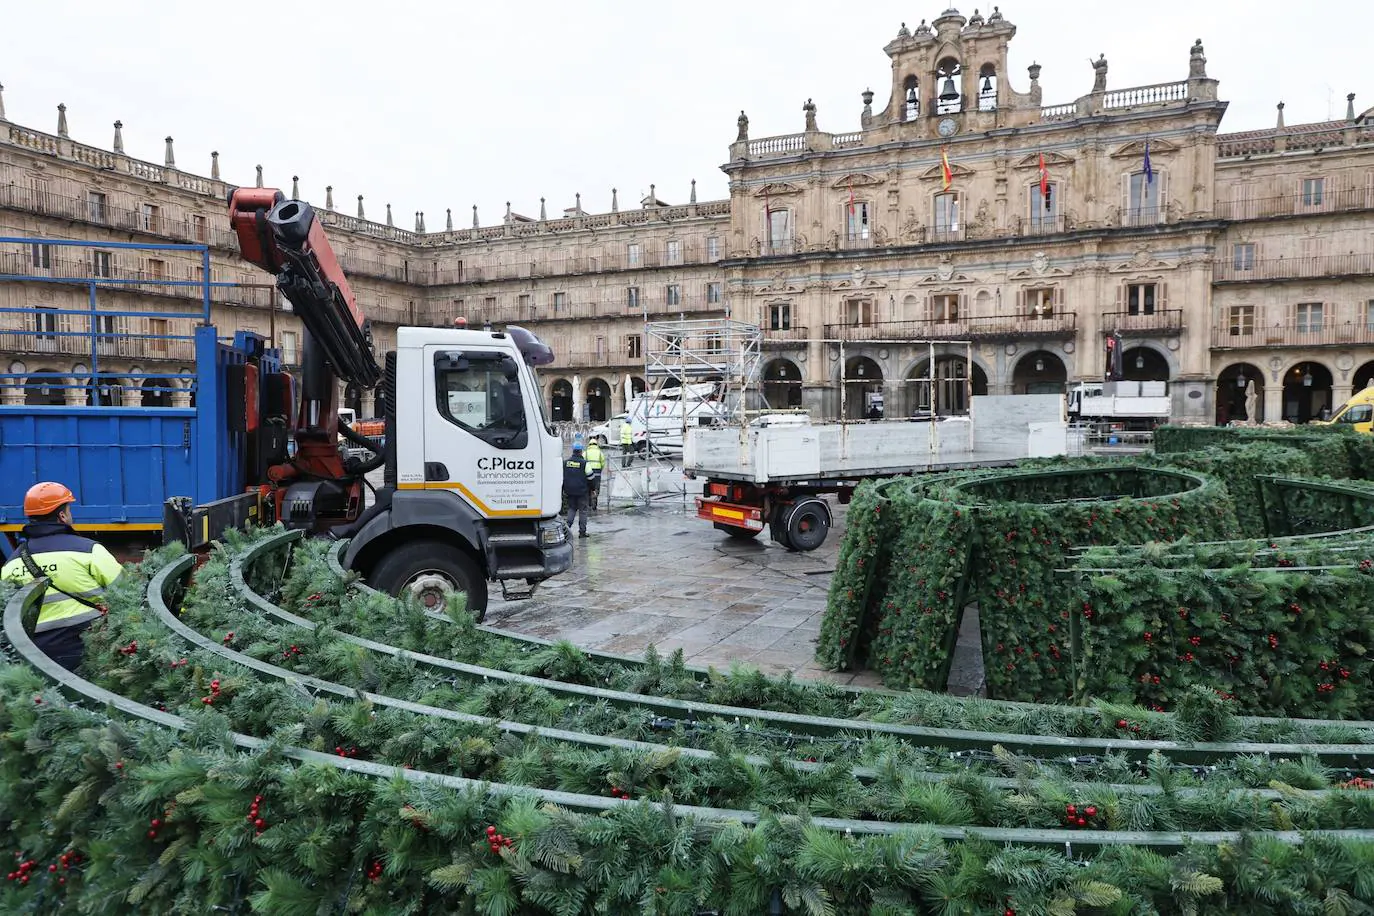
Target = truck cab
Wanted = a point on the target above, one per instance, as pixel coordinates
(1358, 412)
(468, 495)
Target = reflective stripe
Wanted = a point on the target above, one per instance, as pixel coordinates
(51, 596)
(61, 622)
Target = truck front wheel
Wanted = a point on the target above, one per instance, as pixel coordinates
(430, 571)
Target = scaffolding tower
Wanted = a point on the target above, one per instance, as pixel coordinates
(721, 352)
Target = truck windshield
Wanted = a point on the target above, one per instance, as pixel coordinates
(1358, 413)
(483, 397)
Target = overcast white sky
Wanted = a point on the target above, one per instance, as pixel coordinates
(429, 106)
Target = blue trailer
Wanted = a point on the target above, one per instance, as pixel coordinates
(122, 440)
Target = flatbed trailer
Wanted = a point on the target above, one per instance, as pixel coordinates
(776, 473)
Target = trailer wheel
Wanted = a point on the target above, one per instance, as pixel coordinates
(777, 524)
(431, 571)
(807, 523)
(739, 534)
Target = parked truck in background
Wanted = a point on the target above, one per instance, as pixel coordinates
(1119, 406)
(472, 469)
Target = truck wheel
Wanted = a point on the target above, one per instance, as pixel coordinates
(777, 524)
(807, 524)
(739, 534)
(431, 571)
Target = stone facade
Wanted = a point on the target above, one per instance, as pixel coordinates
(965, 221)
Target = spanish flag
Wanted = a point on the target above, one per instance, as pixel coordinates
(944, 164)
(1044, 182)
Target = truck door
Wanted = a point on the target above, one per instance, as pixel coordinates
(1359, 416)
(477, 432)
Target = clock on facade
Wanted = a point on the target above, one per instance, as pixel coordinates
(947, 127)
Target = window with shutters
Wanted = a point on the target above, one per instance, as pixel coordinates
(780, 316)
(1042, 302)
(1243, 256)
(1143, 196)
(634, 346)
(633, 254)
(560, 301)
(779, 231)
(1313, 191)
(674, 251)
(526, 305)
(157, 335)
(290, 348)
(1242, 204)
(1142, 298)
(858, 313)
(96, 209)
(856, 221)
(713, 293)
(713, 249)
(41, 256)
(946, 213)
(1044, 208)
(1308, 317)
(673, 294)
(600, 349)
(38, 194)
(944, 307)
(157, 269)
(201, 228)
(1241, 320)
(45, 322)
(1369, 315)
(632, 297)
(149, 218)
(100, 264)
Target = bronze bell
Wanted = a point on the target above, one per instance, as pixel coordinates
(949, 94)
(987, 85)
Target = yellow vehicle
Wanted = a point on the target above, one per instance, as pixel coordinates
(1357, 412)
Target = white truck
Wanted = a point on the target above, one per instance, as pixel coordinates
(1119, 406)
(775, 471)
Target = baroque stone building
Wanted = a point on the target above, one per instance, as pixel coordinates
(967, 236)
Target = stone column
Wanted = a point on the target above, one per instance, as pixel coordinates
(131, 395)
(1340, 393)
(12, 397)
(368, 405)
(181, 397)
(1273, 400)
(74, 396)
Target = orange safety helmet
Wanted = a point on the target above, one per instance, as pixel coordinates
(46, 498)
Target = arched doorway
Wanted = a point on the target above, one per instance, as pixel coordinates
(782, 384)
(1144, 364)
(1040, 372)
(1232, 386)
(637, 386)
(863, 389)
(951, 391)
(157, 392)
(1306, 392)
(44, 389)
(1363, 377)
(104, 391)
(598, 401)
(561, 400)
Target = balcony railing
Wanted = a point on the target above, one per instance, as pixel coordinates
(77, 345)
(780, 338)
(1159, 321)
(779, 247)
(97, 213)
(1331, 265)
(1157, 94)
(1041, 225)
(1135, 217)
(978, 327)
(1314, 332)
(1341, 200)
(591, 359)
(688, 256)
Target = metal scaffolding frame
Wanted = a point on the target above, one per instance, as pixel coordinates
(684, 352)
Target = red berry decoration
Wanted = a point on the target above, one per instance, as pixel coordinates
(1121, 723)
(1091, 811)
(491, 831)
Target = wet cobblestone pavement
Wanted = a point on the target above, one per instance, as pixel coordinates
(659, 575)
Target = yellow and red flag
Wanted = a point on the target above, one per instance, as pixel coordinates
(1044, 180)
(948, 172)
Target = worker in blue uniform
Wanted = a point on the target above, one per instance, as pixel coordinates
(575, 487)
(77, 568)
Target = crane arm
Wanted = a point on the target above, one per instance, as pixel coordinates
(285, 238)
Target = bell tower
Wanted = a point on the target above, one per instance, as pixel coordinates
(949, 76)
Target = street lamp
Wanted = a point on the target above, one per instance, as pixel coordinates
(1307, 379)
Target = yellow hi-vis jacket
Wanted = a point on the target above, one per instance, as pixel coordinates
(627, 435)
(76, 565)
(595, 460)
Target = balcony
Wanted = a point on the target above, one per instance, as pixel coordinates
(980, 327)
(1161, 321)
(790, 338)
(77, 345)
(1343, 200)
(1316, 267)
(1311, 333)
(591, 359)
(100, 213)
(542, 267)
(1041, 225)
(1140, 217)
